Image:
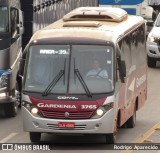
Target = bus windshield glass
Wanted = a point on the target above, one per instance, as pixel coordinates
(4, 24)
(74, 69)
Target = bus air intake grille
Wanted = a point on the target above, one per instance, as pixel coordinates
(77, 127)
(66, 115)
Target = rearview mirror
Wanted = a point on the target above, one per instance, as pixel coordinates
(20, 27)
(122, 70)
(17, 28)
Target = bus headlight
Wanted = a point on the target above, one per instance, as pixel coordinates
(34, 110)
(3, 94)
(102, 110)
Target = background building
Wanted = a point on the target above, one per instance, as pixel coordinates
(40, 13)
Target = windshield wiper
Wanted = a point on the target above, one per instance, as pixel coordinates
(53, 83)
(78, 74)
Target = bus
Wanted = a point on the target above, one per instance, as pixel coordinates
(11, 29)
(61, 93)
(134, 7)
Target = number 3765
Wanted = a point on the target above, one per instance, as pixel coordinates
(88, 106)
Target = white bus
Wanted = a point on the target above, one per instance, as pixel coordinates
(64, 93)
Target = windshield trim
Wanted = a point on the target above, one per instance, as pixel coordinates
(67, 92)
(71, 41)
(78, 94)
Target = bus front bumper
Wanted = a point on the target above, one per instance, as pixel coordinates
(103, 125)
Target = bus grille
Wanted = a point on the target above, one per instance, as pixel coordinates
(55, 127)
(61, 115)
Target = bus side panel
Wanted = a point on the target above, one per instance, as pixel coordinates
(141, 86)
(4, 59)
(129, 100)
(121, 100)
(133, 91)
(15, 55)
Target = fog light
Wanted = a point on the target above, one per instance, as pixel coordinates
(100, 112)
(35, 124)
(34, 110)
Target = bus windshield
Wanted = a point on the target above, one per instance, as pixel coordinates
(74, 69)
(4, 24)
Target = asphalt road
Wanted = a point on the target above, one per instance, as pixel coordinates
(11, 129)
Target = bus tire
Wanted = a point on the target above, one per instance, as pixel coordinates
(111, 138)
(151, 62)
(11, 109)
(35, 136)
(131, 122)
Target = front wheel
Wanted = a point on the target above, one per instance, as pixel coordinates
(11, 109)
(35, 136)
(111, 138)
(151, 62)
(131, 122)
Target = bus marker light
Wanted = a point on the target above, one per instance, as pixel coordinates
(2, 94)
(28, 106)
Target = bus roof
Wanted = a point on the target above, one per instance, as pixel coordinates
(91, 23)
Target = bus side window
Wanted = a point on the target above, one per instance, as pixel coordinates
(14, 19)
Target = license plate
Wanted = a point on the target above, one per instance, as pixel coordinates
(66, 125)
